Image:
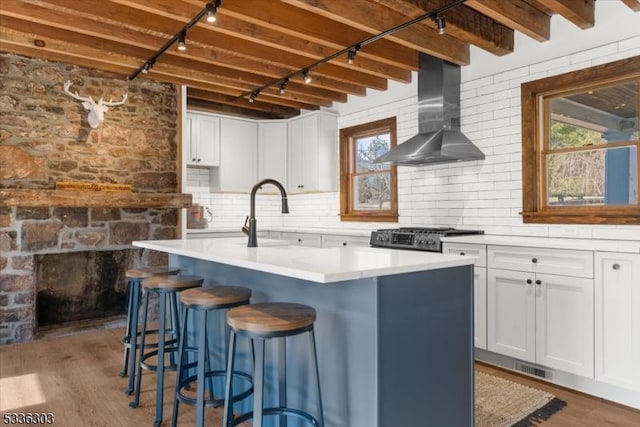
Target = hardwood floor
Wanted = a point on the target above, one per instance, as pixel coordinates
(76, 378)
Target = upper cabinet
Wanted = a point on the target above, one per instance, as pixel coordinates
(202, 144)
(238, 169)
(312, 160)
(272, 150)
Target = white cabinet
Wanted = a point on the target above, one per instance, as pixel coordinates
(303, 239)
(272, 150)
(338, 241)
(238, 169)
(312, 153)
(536, 314)
(479, 287)
(202, 140)
(617, 319)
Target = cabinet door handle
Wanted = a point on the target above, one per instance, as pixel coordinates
(534, 260)
(616, 266)
(538, 282)
(529, 281)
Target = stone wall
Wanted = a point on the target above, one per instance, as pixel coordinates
(44, 138)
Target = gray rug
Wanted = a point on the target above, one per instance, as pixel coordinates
(503, 403)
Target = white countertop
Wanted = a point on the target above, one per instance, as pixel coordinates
(323, 265)
(314, 230)
(628, 246)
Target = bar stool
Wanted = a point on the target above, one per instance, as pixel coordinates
(260, 322)
(199, 302)
(135, 276)
(166, 288)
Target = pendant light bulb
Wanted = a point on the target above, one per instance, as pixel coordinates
(182, 46)
(441, 24)
(305, 76)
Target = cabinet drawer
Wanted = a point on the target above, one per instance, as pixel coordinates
(541, 260)
(303, 239)
(478, 251)
(333, 241)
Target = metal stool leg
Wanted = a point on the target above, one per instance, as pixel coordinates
(162, 314)
(258, 388)
(133, 335)
(183, 338)
(228, 401)
(175, 324)
(138, 378)
(127, 335)
(282, 377)
(316, 377)
(202, 350)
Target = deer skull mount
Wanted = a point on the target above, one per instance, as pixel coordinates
(96, 109)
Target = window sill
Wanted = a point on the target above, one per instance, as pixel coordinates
(619, 217)
(369, 217)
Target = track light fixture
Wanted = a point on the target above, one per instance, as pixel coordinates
(212, 8)
(254, 95)
(305, 76)
(182, 45)
(283, 86)
(147, 66)
(351, 54)
(352, 51)
(441, 24)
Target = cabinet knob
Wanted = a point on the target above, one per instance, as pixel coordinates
(616, 266)
(534, 260)
(529, 281)
(461, 253)
(193, 160)
(299, 240)
(538, 282)
(344, 243)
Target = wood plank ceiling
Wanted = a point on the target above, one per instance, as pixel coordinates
(256, 43)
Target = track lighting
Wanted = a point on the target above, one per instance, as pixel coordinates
(351, 54)
(441, 24)
(253, 95)
(283, 85)
(212, 8)
(182, 46)
(305, 76)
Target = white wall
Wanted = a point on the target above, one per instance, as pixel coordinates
(482, 194)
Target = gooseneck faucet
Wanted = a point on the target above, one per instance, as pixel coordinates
(251, 230)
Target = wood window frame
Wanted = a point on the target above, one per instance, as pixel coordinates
(534, 95)
(347, 135)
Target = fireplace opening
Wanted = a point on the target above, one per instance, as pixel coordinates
(78, 286)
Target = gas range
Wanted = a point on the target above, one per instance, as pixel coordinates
(416, 238)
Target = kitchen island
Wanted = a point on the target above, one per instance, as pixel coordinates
(394, 328)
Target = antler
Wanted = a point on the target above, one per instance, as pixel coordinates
(75, 95)
(111, 103)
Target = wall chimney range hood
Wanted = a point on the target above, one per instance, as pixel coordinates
(439, 139)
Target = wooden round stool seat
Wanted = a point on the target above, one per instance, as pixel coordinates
(271, 318)
(144, 272)
(215, 296)
(172, 282)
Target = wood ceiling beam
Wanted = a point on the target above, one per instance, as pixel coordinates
(633, 4)
(261, 100)
(518, 15)
(579, 12)
(463, 23)
(232, 110)
(374, 19)
(206, 61)
(231, 26)
(297, 23)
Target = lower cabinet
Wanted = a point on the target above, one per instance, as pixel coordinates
(303, 239)
(479, 287)
(335, 241)
(617, 319)
(538, 317)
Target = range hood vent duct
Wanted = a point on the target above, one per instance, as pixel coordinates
(439, 139)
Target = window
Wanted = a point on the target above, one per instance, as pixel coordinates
(368, 191)
(580, 146)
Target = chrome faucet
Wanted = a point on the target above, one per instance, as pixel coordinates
(251, 229)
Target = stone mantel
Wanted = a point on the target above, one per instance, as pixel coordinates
(92, 199)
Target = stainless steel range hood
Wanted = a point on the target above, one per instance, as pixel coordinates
(439, 139)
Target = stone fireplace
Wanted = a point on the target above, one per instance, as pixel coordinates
(63, 252)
